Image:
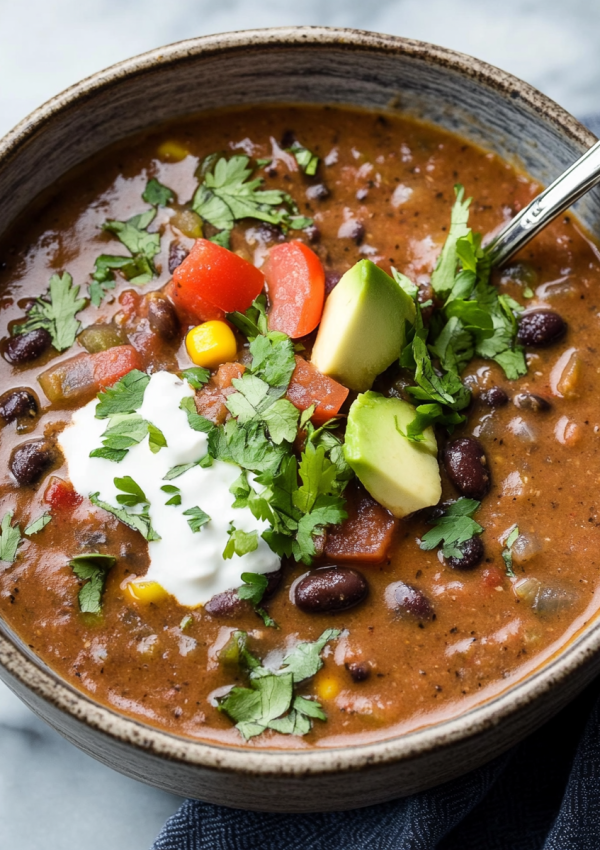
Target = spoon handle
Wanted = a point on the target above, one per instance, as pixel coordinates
(566, 189)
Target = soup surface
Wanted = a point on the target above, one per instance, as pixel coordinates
(414, 627)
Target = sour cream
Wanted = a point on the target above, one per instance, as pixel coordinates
(189, 565)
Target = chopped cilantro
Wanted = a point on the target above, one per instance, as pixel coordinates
(126, 396)
(227, 194)
(92, 568)
(174, 492)
(453, 528)
(124, 431)
(253, 589)
(270, 702)
(507, 551)
(38, 524)
(139, 522)
(240, 542)
(196, 376)
(176, 471)
(254, 321)
(156, 438)
(254, 402)
(10, 537)
(306, 160)
(157, 194)
(132, 494)
(197, 518)
(55, 312)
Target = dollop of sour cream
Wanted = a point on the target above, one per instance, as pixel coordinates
(189, 565)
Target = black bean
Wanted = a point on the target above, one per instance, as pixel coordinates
(359, 670)
(529, 401)
(331, 281)
(288, 139)
(29, 346)
(494, 397)
(330, 589)
(268, 232)
(163, 318)
(274, 580)
(540, 328)
(177, 254)
(17, 404)
(358, 232)
(412, 601)
(313, 233)
(29, 461)
(317, 192)
(466, 465)
(472, 555)
(227, 604)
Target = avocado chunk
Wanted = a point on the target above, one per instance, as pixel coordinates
(363, 327)
(400, 474)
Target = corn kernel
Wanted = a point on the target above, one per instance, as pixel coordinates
(211, 344)
(146, 591)
(172, 151)
(327, 687)
(187, 222)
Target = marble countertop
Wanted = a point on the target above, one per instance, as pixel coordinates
(51, 795)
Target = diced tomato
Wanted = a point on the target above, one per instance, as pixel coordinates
(83, 376)
(191, 307)
(210, 400)
(366, 535)
(61, 495)
(296, 285)
(308, 386)
(493, 577)
(129, 301)
(110, 365)
(212, 277)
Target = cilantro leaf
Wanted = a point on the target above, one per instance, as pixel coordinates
(157, 194)
(126, 396)
(92, 568)
(156, 438)
(254, 321)
(174, 492)
(132, 494)
(270, 702)
(273, 358)
(306, 160)
(38, 524)
(453, 528)
(55, 312)
(176, 471)
(431, 414)
(254, 402)
(197, 517)
(139, 522)
(227, 195)
(507, 551)
(254, 587)
(442, 279)
(134, 235)
(196, 376)
(124, 431)
(240, 542)
(10, 538)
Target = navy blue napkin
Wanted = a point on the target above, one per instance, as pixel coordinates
(542, 795)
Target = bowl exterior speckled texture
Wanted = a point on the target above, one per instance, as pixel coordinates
(299, 65)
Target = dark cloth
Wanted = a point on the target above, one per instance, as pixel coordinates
(542, 795)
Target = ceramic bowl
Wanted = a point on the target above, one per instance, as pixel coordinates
(300, 65)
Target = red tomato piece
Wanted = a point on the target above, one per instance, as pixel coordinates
(215, 276)
(110, 365)
(61, 495)
(210, 400)
(366, 535)
(296, 284)
(308, 386)
(191, 307)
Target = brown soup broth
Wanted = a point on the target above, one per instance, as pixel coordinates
(394, 177)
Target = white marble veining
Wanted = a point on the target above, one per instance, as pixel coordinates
(51, 795)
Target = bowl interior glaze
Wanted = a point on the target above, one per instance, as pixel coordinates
(301, 65)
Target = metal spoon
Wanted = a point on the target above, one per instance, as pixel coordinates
(582, 176)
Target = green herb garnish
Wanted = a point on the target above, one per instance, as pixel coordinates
(10, 537)
(270, 702)
(453, 528)
(253, 590)
(138, 522)
(174, 493)
(240, 542)
(36, 525)
(126, 396)
(307, 161)
(131, 492)
(157, 194)
(92, 568)
(197, 518)
(507, 551)
(55, 312)
(196, 376)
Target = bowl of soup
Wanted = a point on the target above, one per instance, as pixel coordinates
(297, 491)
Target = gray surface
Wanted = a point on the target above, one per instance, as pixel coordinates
(50, 794)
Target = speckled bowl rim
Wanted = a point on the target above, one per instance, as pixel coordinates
(45, 684)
